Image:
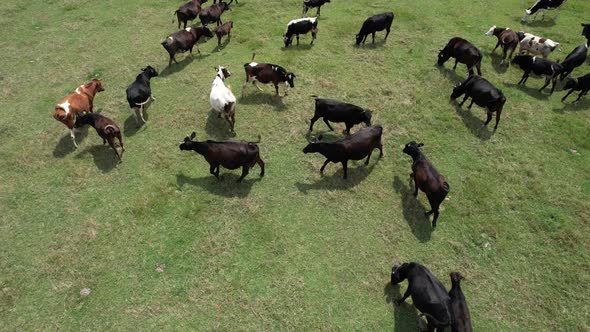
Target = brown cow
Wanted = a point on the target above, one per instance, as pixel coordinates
(106, 128)
(77, 103)
(222, 30)
(507, 38)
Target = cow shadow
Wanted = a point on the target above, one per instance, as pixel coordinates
(356, 175)
(103, 155)
(226, 186)
(65, 146)
(405, 315)
(302, 47)
(413, 211)
(473, 123)
(450, 74)
(369, 45)
(496, 59)
(217, 127)
(221, 46)
(582, 105)
(327, 135)
(264, 98)
(539, 22)
(176, 67)
(533, 92)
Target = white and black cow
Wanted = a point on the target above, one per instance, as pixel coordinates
(543, 5)
(575, 59)
(307, 4)
(586, 31)
(268, 73)
(301, 26)
(538, 66)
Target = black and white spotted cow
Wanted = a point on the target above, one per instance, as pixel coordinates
(299, 27)
(542, 5)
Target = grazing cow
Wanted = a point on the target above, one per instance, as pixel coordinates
(222, 99)
(428, 293)
(581, 84)
(461, 321)
(507, 38)
(373, 24)
(354, 147)
(222, 30)
(267, 73)
(229, 154)
(538, 66)
(307, 4)
(464, 52)
(586, 31)
(543, 5)
(427, 178)
(185, 40)
(106, 128)
(536, 45)
(213, 13)
(139, 92)
(301, 26)
(188, 12)
(335, 111)
(482, 93)
(75, 104)
(575, 59)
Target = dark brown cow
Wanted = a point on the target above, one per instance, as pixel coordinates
(185, 40)
(307, 4)
(267, 73)
(464, 52)
(507, 38)
(106, 128)
(222, 30)
(461, 321)
(77, 103)
(581, 84)
(213, 13)
(188, 12)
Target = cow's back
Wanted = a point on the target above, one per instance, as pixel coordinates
(361, 143)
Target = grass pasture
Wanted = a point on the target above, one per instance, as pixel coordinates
(294, 250)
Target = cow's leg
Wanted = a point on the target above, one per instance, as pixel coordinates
(365, 38)
(141, 113)
(174, 58)
(570, 92)
(212, 169)
(489, 114)
(328, 124)
(297, 39)
(523, 79)
(261, 164)
(244, 87)
(312, 122)
(497, 44)
(511, 54)
(387, 33)
(256, 85)
(547, 81)
(318, 13)
(304, 10)
(120, 143)
(314, 34)
(324, 166)
(582, 94)
(478, 66)
(464, 100)
(406, 295)
(348, 127)
(368, 157)
(276, 88)
(218, 40)
(415, 185)
(219, 21)
(553, 83)
(455, 66)
(504, 52)
(345, 169)
(498, 113)
(471, 104)
(373, 36)
(73, 138)
(111, 141)
(245, 170)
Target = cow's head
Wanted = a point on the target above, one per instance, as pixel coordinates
(571, 83)
(222, 72)
(458, 90)
(491, 31)
(586, 30)
(150, 71)
(200, 1)
(442, 57)
(188, 143)
(224, 6)
(313, 145)
(456, 277)
(520, 35)
(205, 33)
(290, 77)
(520, 59)
(359, 39)
(288, 40)
(367, 114)
(412, 149)
(97, 85)
(399, 273)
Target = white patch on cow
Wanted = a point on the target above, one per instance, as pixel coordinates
(253, 64)
(534, 59)
(310, 19)
(491, 31)
(65, 106)
(171, 39)
(507, 28)
(188, 29)
(78, 90)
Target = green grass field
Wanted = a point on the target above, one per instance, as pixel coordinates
(294, 250)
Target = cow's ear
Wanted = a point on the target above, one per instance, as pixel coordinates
(420, 144)
(193, 135)
(320, 137)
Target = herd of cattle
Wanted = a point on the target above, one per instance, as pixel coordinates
(428, 293)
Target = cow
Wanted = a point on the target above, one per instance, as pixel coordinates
(581, 84)
(354, 147)
(213, 13)
(222, 99)
(188, 12)
(461, 319)
(538, 66)
(373, 24)
(484, 94)
(76, 103)
(106, 128)
(575, 59)
(336, 111)
(536, 45)
(267, 73)
(427, 178)
(185, 40)
(428, 294)
(307, 4)
(229, 3)
(229, 154)
(463, 51)
(586, 31)
(301, 26)
(507, 38)
(222, 30)
(543, 5)
(139, 92)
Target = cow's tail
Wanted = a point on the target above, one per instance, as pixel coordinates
(145, 102)
(175, 13)
(253, 55)
(435, 321)
(256, 142)
(110, 130)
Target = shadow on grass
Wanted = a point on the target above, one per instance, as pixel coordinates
(221, 46)
(303, 46)
(104, 157)
(539, 22)
(217, 127)
(176, 67)
(496, 59)
(264, 99)
(405, 315)
(65, 146)
(379, 42)
(327, 136)
(450, 74)
(335, 181)
(226, 185)
(414, 213)
(582, 105)
(473, 123)
(533, 92)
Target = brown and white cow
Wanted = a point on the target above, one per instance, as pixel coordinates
(507, 38)
(536, 45)
(77, 103)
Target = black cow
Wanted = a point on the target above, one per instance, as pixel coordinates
(106, 128)
(575, 59)
(185, 40)
(307, 4)
(581, 84)
(543, 5)
(213, 13)
(464, 52)
(188, 11)
(484, 94)
(139, 92)
(428, 293)
(461, 321)
(222, 30)
(538, 66)
(229, 154)
(335, 111)
(354, 147)
(586, 31)
(299, 27)
(229, 3)
(373, 24)
(268, 73)
(427, 178)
